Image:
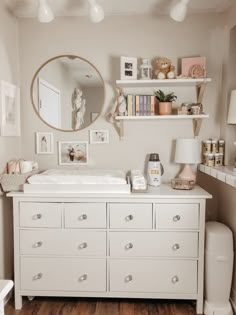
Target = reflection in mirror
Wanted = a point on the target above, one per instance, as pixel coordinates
(66, 91)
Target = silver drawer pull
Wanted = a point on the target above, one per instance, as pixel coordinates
(175, 279)
(128, 278)
(175, 247)
(176, 218)
(83, 245)
(38, 276)
(129, 246)
(37, 216)
(38, 244)
(83, 217)
(129, 217)
(83, 277)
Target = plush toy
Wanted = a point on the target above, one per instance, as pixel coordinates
(165, 69)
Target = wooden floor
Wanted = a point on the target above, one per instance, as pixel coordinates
(75, 306)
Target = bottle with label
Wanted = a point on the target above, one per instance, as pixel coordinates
(154, 170)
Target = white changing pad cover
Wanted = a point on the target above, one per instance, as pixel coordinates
(66, 176)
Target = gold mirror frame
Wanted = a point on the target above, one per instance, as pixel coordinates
(34, 82)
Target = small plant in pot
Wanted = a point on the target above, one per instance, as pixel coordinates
(165, 102)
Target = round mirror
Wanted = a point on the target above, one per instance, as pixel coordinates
(68, 92)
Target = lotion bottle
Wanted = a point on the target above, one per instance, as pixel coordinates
(154, 170)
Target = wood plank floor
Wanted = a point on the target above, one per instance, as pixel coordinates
(75, 306)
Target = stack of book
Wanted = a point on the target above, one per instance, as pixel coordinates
(140, 105)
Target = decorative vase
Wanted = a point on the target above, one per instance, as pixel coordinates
(165, 108)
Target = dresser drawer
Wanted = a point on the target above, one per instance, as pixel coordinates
(62, 242)
(169, 276)
(177, 216)
(154, 244)
(85, 215)
(63, 274)
(40, 214)
(130, 216)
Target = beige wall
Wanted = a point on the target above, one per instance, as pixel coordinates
(9, 146)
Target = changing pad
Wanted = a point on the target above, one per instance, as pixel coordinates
(91, 181)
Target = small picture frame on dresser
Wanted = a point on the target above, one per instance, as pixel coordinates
(73, 152)
(128, 68)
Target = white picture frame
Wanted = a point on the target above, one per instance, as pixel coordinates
(128, 68)
(44, 143)
(73, 152)
(99, 136)
(9, 110)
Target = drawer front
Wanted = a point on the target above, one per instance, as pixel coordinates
(62, 242)
(63, 274)
(40, 214)
(169, 276)
(177, 216)
(154, 244)
(130, 216)
(85, 215)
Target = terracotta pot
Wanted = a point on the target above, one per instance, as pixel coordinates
(165, 108)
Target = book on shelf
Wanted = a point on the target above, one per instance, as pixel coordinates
(140, 105)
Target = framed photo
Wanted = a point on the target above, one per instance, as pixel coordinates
(9, 109)
(44, 143)
(194, 67)
(128, 68)
(73, 152)
(99, 136)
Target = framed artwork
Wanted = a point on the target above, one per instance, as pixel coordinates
(128, 68)
(73, 152)
(99, 136)
(194, 67)
(44, 143)
(9, 109)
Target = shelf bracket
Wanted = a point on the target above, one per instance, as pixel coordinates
(197, 122)
(200, 92)
(118, 125)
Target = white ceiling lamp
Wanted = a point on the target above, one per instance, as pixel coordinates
(96, 12)
(45, 13)
(178, 11)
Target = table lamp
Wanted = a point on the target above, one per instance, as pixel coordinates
(187, 152)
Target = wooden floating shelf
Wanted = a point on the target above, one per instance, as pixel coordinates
(157, 83)
(162, 117)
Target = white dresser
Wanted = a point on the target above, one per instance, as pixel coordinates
(148, 245)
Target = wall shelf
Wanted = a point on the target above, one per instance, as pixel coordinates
(225, 174)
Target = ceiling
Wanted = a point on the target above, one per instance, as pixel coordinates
(28, 8)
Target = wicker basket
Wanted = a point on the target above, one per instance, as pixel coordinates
(14, 182)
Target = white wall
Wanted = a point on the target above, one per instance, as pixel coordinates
(9, 146)
(103, 44)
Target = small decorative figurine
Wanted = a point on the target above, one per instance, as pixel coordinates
(165, 69)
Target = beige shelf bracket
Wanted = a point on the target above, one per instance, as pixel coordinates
(200, 92)
(197, 122)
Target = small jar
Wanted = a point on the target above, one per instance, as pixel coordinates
(222, 146)
(217, 159)
(210, 159)
(204, 159)
(214, 146)
(145, 70)
(206, 146)
(221, 158)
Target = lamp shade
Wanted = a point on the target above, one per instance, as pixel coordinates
(188, 151)
(232, 108)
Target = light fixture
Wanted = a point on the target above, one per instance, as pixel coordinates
(96, 12)
(232, 108)
(179, 10)
(188, 151)
(45, 13)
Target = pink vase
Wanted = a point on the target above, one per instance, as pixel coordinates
(165, 108)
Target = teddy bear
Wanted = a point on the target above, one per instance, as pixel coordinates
(165, 69)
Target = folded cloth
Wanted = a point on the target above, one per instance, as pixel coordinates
(138, 180)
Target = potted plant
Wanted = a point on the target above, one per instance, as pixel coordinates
(165, 102)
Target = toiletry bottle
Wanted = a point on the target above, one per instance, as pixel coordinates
(154, 170)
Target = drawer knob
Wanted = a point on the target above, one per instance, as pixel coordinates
(175, 247)
(129, 246)
(38, 244)
(83, 217)
(83, 245)
(128, 278)
(37, 216)
(38, 276)
(176, 218)
(83, 277)
(129, 217)
(175, 279)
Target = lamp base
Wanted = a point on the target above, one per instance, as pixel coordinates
(187, 173)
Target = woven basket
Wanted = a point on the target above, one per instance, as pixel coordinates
(14, 182)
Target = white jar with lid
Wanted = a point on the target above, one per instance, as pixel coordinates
(145, 70)
(214, 146)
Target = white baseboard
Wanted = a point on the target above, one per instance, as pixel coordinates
(233, 299)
